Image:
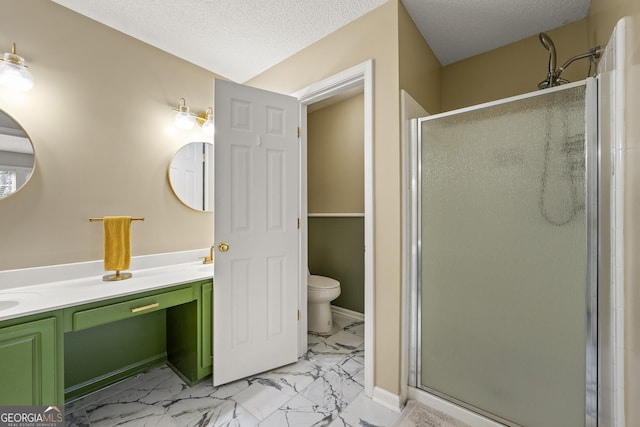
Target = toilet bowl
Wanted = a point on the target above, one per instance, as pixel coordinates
(320, 292)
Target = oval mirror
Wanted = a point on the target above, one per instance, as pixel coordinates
(191, 175)
(17, 159)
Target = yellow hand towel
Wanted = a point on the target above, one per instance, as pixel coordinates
(117, 242)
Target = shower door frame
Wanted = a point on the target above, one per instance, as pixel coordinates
(593, 180)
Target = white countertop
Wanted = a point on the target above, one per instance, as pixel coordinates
(41, 296)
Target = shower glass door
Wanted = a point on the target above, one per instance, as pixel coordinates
(507, 259)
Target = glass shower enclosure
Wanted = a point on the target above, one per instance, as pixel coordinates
(506, 318)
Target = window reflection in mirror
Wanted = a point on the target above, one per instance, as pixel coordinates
(17, 159)
(191, 175)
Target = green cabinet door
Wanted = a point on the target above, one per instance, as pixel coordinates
(207, 325)
(28, 363)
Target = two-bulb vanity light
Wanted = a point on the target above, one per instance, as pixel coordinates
(14, 73)
(184, 119)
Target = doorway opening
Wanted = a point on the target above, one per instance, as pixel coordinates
(357, 79)
(335, 200)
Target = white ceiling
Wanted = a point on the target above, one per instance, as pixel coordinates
(239, 39)
(459, 29)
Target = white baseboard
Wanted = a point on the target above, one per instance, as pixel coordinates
(347, 313)
(449, 408)
(387, 399)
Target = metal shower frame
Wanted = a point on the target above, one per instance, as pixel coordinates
(593, 180)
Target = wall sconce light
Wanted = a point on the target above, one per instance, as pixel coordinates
(185, 119)
(13, 72)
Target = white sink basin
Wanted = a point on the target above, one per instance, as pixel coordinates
(8, 304)
(12, 299)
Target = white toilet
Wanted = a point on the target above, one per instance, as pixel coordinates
(320, 292)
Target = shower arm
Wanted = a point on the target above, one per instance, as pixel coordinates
(594, 52)
(553, 76)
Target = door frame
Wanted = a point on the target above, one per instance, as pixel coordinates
(410, 111)
(361, 74)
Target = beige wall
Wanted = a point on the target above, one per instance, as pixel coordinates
(373, 36)
(517, 68)
(335, 158)
(603, 16)
(513, 69)
(420, 70)
(97, 116)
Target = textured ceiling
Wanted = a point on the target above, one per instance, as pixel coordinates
(459, 29)
(239, 39)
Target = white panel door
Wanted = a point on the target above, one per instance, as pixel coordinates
(256, 215)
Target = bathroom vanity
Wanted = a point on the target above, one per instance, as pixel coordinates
(66, 338)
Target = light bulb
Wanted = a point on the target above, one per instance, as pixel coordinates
(184, 120)
(208, 127)
(13, 73)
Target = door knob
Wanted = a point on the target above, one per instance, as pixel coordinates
(223, 247)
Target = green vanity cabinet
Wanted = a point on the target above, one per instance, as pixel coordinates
(207, 326)
(109, 340)
(30, 362)
(189, 335)
(66, 353)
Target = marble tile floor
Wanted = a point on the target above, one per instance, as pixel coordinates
(324, 388)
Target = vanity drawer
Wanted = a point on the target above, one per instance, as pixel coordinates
(110, 313)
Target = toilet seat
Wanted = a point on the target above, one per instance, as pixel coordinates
(322, 282)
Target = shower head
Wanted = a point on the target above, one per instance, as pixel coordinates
(548, 44)
(553, 76)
